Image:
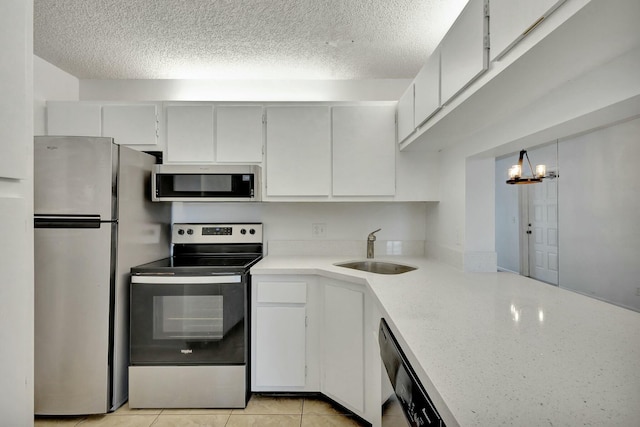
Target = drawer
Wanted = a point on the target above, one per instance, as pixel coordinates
(282, 292)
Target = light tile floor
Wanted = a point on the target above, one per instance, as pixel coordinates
(261, 411)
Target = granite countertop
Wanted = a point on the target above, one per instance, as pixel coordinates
(499, 348)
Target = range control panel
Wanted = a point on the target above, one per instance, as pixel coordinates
(216, 233)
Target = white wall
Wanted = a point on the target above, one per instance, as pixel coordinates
(16, 214)
(26, 83)
(293, 221)
(599, 205)
(507, 217)
(479, 239)
(50, 84)
(447, 219)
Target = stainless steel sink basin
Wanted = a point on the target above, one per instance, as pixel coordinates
(378, 267)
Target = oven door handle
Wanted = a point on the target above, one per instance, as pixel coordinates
(185, 280)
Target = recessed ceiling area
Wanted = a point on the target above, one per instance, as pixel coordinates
(241, 39)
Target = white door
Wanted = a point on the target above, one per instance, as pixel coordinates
(343, 346)
(74, 118)
(298, 161)
(364, 150)
(542, 230)
(131, 124)
(280, 347)
(190, 133)
(239, 134)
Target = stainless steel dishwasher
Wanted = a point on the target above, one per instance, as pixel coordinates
(406, 402)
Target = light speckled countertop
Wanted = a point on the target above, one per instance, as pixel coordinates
(498, 348)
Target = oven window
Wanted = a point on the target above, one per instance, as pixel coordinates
(181, 317)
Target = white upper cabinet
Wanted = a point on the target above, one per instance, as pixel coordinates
(298, 151)
(364, 151)
(239, 134)
(511, 20)
(427, 89)
(131, 124)
(406, 124)
(463, 53)
(127, 124)
(190, 133)
(70, 118)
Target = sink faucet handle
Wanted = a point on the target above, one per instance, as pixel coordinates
(371, 235)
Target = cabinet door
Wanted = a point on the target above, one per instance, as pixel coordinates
(364, 151)
(406, 124)
(343, 346)
(190, 133)
(239, 134)
(463, 55)
(427, 89)
(298, 161)
(131, 124)
(511, 20)
(280, 346)
(69, 118)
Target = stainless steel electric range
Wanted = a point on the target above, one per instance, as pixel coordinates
(189, 319)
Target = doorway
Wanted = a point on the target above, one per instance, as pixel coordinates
(596, 228)
(527, 231)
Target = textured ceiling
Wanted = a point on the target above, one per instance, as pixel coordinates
(240, 39)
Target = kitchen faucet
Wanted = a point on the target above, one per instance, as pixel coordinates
(370, 239)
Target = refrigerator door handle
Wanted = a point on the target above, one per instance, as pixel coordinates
(67, 221)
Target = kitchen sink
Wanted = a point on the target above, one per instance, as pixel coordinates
(378, 267)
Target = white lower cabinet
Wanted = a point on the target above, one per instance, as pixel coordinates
(280, 345)
(283, 338)
(343, 345)
(314, 334)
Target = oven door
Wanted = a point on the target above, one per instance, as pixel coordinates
(186, 320)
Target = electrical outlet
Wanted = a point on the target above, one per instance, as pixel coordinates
(318, 230)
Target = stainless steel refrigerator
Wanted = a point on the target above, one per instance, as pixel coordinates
(94, 220)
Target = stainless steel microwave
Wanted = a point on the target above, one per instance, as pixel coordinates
(206, 183)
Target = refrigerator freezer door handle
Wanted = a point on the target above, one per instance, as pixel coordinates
(67, 221)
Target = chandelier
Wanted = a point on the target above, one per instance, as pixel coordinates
(515, 172)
